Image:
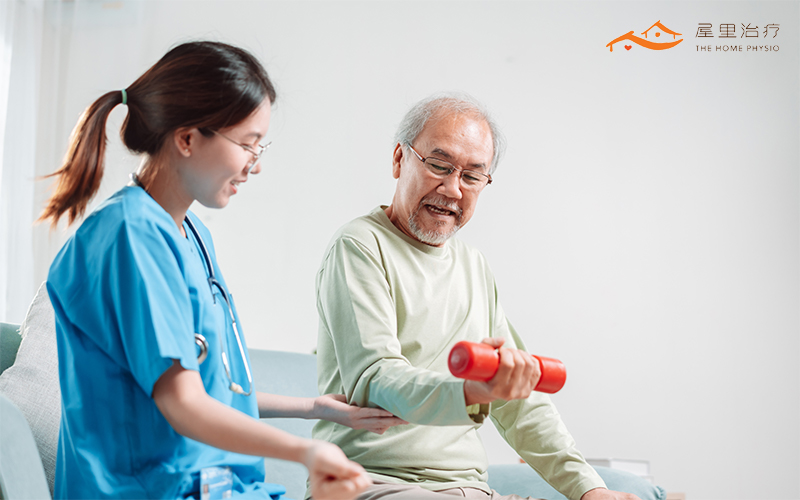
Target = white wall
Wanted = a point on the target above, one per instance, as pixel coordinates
(643, 228)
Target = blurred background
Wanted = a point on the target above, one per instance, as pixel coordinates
(644, 226)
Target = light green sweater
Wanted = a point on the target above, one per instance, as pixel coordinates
(391, 308)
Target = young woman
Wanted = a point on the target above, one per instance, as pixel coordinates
(157, 398)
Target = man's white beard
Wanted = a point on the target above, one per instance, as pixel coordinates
(434, 237)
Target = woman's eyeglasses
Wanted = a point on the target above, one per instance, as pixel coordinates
(256, 152)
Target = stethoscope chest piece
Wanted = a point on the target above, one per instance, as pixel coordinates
(202, 343)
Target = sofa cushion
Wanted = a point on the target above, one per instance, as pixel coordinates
(31, 383)
(520, 479)
(287, 374)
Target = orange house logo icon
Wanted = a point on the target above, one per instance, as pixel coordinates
(655, 31)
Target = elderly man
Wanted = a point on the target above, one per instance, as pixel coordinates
(395, 291)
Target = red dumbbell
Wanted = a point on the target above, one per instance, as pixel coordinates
(475, 361)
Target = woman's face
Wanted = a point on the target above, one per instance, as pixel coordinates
(220, 165)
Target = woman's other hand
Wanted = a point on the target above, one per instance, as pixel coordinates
(332, 475)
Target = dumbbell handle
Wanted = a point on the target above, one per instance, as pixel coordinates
(474, 361)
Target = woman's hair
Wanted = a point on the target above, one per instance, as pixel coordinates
(203, 85)
(453, 102)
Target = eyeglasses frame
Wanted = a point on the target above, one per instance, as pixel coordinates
(453, 168)
(249, 149)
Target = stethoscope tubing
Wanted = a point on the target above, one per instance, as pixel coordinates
(212, 281)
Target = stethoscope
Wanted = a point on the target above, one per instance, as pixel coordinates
(199, 339)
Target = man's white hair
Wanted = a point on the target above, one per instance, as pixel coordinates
(455, 102)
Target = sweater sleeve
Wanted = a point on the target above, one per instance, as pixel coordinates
(359, 317)
(533, 428)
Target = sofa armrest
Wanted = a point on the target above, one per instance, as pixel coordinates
(21, 472)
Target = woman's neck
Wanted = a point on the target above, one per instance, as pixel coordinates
(164, 186)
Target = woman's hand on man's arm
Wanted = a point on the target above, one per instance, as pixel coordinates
(332, 407)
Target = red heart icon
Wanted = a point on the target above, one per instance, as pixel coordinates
(628, 47)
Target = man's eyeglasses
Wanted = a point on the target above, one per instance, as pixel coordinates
(256, 152)
(470, 179)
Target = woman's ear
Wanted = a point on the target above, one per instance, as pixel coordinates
(184, 139)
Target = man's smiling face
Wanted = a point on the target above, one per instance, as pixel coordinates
(428, 208)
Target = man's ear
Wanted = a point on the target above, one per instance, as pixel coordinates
(397, 159)
(184, 139)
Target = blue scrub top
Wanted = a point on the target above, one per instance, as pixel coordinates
(129, 293)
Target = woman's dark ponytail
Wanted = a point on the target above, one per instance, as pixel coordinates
(80, 175)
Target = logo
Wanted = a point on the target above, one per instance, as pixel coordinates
(728, 30)
(649, 35)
